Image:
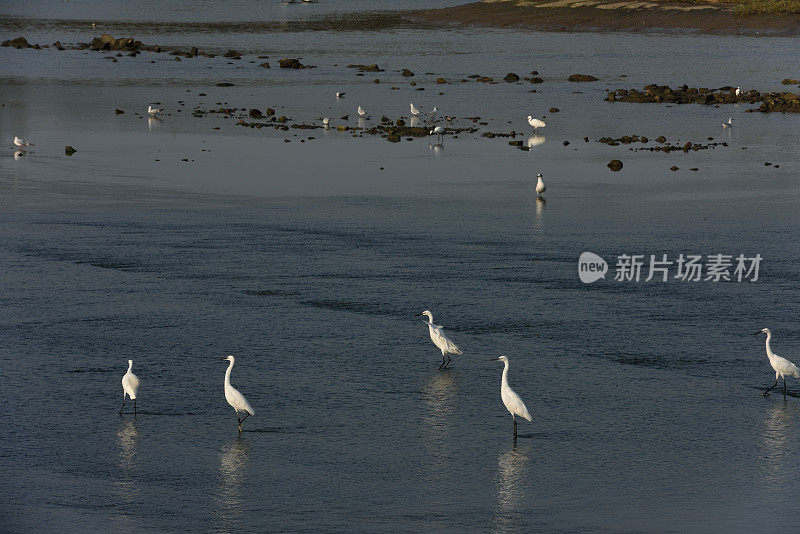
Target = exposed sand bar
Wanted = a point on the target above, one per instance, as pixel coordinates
(611, 15)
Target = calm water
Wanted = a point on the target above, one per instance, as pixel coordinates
(308, 260)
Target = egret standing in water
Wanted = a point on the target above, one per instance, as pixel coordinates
(153, 111)
(512, 401)
(432, 113)
(540, 187)
(440, 340)
(439, 133)
(234, 398)
(738, 91)
(782, 366)
(130, 385)
(414, 110)
(728, 124)
(361, 112)
(536, 123)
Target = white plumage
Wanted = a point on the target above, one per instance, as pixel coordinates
(512, 401)
(738, 92)
(728, 124)
(130, 385)
(154, 111)
(361, 111)
(326, 121)
(234, 398)
(432, 113)
(21, 142)
(414, 110)
(536, 123)
(440, 340)
(782, 366)
(540, 187)
(340, 94)
(439, 133)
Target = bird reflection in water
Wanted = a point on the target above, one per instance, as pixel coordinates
(512, 470)
(232, 463)
(126, 484)
(414, 121)
(535, 140)
(778, 439)
(151, 122)
(540, 205)
(437, 149)
(439, 405)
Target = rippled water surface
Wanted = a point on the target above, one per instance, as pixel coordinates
(175, 244)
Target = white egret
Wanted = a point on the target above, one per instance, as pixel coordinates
(340, 95)
(414, 111)
(432, 113)
(153, 111)
(728, 124)
(782, 366)
(540, 187)
(234, 398)
(130, 385)
(512, 401)
(21, 142)
(738, 91)
(439, 133)
(361, 111)
(536, 123)
(440, 340)
(326, 121)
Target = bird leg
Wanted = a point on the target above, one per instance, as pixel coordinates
(442, 365)
(134, 407)
(448, 362)
(246, 415)
(773, 385)
(515, 427)
(123, 403)
(784, 386)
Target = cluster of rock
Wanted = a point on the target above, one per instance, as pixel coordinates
(663, 147)
(771, 101)
(293, 63)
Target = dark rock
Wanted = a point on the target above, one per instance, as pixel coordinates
(511, 78)
(694, 169)
(441, 81)
(58, 46)
(400, 122)
(19, 42)
(265, 65)
(376, 80)
(582, 78)
(406, 72)
(673, 168)
(68, 150)
(554, 110)
(565, 143)
(615, 165)
(515, 143)
(256, 113)
(233, 54)
(786, 81)
(661, 139)
(393, 138)
(224, 84)
(290, 63)
(534, 80)
(270, 112)
(586, 139)
(767, 164)
(118, 111)
(534, 72)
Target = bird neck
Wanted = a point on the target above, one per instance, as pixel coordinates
(228, 375)
(505, 375)
(130, 366)
(769, 349)
(430, 318)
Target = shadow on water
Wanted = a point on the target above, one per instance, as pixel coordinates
(232, 463)
(512, 488)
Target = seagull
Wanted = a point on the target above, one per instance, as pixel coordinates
(153, 111)
(728, 124)
(414, 111)
(440, 340)
(21, 142)
(512, 401)
(439, 133)
(540, 187)
(782, 366)
(738, 92)
(361, 111)
(432, 113)
(234, 398)
(326, 121)
(536, 123)
(130, 385)
(340, 95)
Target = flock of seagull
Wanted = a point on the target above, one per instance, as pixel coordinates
(512, 401)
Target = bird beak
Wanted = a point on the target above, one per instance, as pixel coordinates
(494, 359)
(223, 359)
(417, 315)
(756, 333)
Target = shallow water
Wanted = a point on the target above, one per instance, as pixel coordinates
(308, 260)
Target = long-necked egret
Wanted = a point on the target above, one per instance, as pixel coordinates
(361, 111)
(540, 187)
(728, 124)
(326, 121)
(738, 91)
(536, 123)
(512, 401)
(130, 385)
(439, 133)
(154, 111)
(432, 113)
(340, 94)
(21, 142)
(782, 366)
(440, 340)
(414, 110)
(234, 398)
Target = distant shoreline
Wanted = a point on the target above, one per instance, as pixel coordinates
(611, 16)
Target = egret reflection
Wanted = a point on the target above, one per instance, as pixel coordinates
(414, 121)
(126, 440)
(535, 140)
(436, 149)
(439, 407)
(232, 463)
(18, 154)
(512, 491)
(541, 204)
(126, 484)
(777, 439)
(151, 122)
